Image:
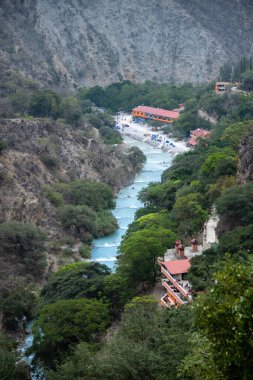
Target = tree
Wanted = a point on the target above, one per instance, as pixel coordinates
(234, 133)
(118, 291)
(22, 243)
(139, 253)
(3, 145)
(235, 205)
(239, 240)
(136, 156)
(71, 110)
(110, 136)
(220, 163)
(67, 322)
(81, 364)
(225, 317)
(160, 195)
(77, 280)
(149, 344)
(189, 214)
(44, 104)
(202, 269)
(16, 301)
(97, 196)
(199, 364)
(7, 365)
(247, 80)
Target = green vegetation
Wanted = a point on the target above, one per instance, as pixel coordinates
(127, 95)
(22, 262)
(147, 341)
(84, 207)
(3, 145)
(139, 253)
(211, 339)
(68, 322)
(23, 243)
(235, 205)
(233, 72)
(225, 317)
(75, 281)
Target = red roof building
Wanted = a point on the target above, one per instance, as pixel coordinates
(157, 114)
(176, 267)
(197, 134)
(200, 133)
(172, 282)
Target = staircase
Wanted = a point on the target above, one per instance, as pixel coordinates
(176, 294)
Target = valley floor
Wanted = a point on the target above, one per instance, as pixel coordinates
(142, 132)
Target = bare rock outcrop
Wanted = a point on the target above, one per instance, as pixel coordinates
(41, 152)
(245, 164)
(83, 42)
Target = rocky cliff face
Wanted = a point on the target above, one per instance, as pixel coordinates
(84, 42)
(245, 164)
(42, 152)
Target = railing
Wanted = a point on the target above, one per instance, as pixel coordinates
(174, 295)
(168, 303)
(175, 283)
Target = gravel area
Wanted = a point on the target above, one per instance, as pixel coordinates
(143, 132)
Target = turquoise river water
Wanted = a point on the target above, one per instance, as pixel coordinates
(105, 249)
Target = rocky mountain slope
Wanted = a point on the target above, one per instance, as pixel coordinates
(42, 152)
(84, 42)
(245, 164)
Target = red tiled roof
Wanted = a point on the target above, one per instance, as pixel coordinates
(157, 111)
(200, 133)
(177, 266)
(192, 142)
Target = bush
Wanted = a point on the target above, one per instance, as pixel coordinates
(85, 251)
(16, 300)
(53, 196)
(23, 243)
(110, 136)
(97, 196)
(49, 160)
(7, 365)
(3, 145)
(78, 219)
(105, 223)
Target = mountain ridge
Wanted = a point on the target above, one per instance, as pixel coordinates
(84, 43)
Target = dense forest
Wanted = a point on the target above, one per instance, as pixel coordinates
(94, 324)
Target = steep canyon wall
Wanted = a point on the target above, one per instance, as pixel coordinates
(70, 43)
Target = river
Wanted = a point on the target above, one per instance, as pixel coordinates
(105, 249)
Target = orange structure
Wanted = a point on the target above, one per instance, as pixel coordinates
(157, 114)
(221, 87)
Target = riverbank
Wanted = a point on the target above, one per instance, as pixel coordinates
(142, 132)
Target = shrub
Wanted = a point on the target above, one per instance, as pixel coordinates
(3, 145)
(23, 243)
(85, 251)
(53, 196)
(49, 160)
